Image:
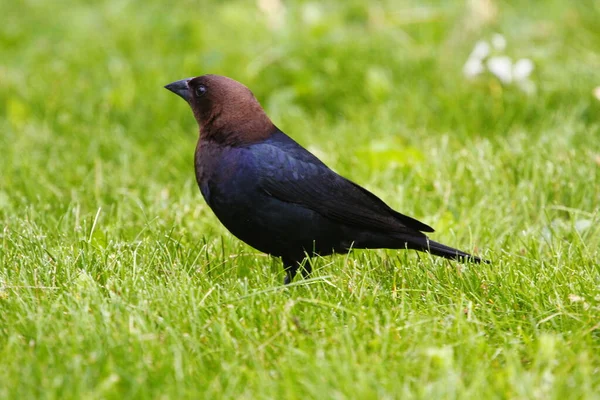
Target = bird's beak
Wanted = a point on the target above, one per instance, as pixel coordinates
(180, 88)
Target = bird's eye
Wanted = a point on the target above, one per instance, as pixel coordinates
(200, 90)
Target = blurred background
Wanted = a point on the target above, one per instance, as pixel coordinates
(385, 91)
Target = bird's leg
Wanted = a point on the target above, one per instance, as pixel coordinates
(290, 268)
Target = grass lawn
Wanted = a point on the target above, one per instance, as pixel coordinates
(117, 281)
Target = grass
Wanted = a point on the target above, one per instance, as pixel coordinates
(116, 281)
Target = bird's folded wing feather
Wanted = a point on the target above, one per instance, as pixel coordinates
(294, 175)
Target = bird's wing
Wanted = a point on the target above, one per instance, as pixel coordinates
(294, 175)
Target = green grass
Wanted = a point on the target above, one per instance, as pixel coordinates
(116, 281)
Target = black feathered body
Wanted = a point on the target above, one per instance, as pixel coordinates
(280, 199)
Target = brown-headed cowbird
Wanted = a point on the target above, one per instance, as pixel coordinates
(275, 195)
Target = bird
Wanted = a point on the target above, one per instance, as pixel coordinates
(279, 198)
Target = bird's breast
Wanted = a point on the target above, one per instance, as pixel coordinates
(223, 173)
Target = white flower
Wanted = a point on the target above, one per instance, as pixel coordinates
(473, 67)
(480, 51)
(522, 69)
(501, 67)
(485, 56)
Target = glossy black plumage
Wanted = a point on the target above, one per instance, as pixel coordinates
(275, 195)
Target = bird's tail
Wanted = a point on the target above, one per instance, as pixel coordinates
(442, 250)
